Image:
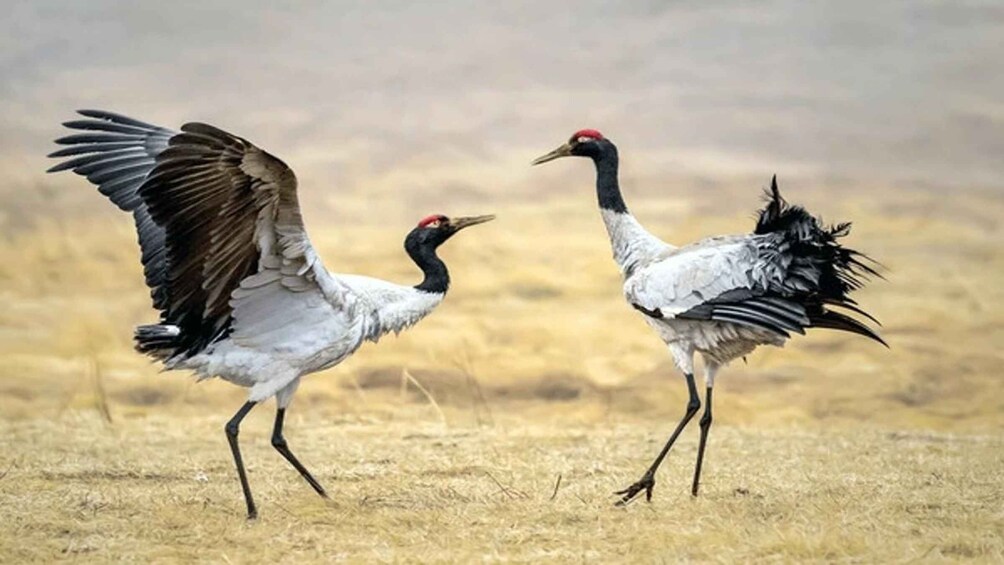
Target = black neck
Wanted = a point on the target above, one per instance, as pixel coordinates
(437, 278)
(608, 190)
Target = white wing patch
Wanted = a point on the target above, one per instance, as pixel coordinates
(695, 274)
(265, 309)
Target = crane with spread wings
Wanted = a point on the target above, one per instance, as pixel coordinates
(242, 294)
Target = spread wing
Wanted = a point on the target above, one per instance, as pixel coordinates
(116, 154)
(216, 210)
(227, 207)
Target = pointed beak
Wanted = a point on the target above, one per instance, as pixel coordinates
(563, 151)
(461, 223)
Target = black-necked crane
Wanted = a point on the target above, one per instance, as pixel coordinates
(241, 292)
(724, 296)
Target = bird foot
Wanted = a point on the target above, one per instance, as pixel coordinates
(647, 483)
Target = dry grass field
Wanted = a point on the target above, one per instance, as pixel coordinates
(498, 428)
(408, 489)
(832, 449)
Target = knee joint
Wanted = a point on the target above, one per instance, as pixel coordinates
(693, 406)
(279, 442)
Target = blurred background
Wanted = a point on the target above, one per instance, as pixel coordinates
(889, 114)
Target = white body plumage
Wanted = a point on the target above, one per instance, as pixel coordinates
(279, 338)
(672, 280)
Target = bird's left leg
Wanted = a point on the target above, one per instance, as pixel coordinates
(232, 429)
(684, 359)
(711, 369)
(283, 398)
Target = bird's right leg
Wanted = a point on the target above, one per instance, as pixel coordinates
(711, 370)
(647, 481)
(232, 429)
(279, 443)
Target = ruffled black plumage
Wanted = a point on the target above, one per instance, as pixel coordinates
(822, 273)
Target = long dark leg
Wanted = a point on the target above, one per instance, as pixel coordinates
(705, 426)
(647, 481)
(233, 428)
(279, 443)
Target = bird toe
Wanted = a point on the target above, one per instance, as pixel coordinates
(647, 484)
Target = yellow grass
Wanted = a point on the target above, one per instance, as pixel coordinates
(830, 449)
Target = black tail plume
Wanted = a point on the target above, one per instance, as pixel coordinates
(837, 321)
(821, 272)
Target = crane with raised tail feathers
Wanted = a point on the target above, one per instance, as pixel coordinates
(241, 292)
(724, 296)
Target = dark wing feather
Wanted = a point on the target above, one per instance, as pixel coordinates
(117, 154)
(208, 191)
(203, 201)
(837, 321)
(770, 314)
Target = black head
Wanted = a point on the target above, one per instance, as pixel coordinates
(422, 242)
(435, 229)
(583, 143)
